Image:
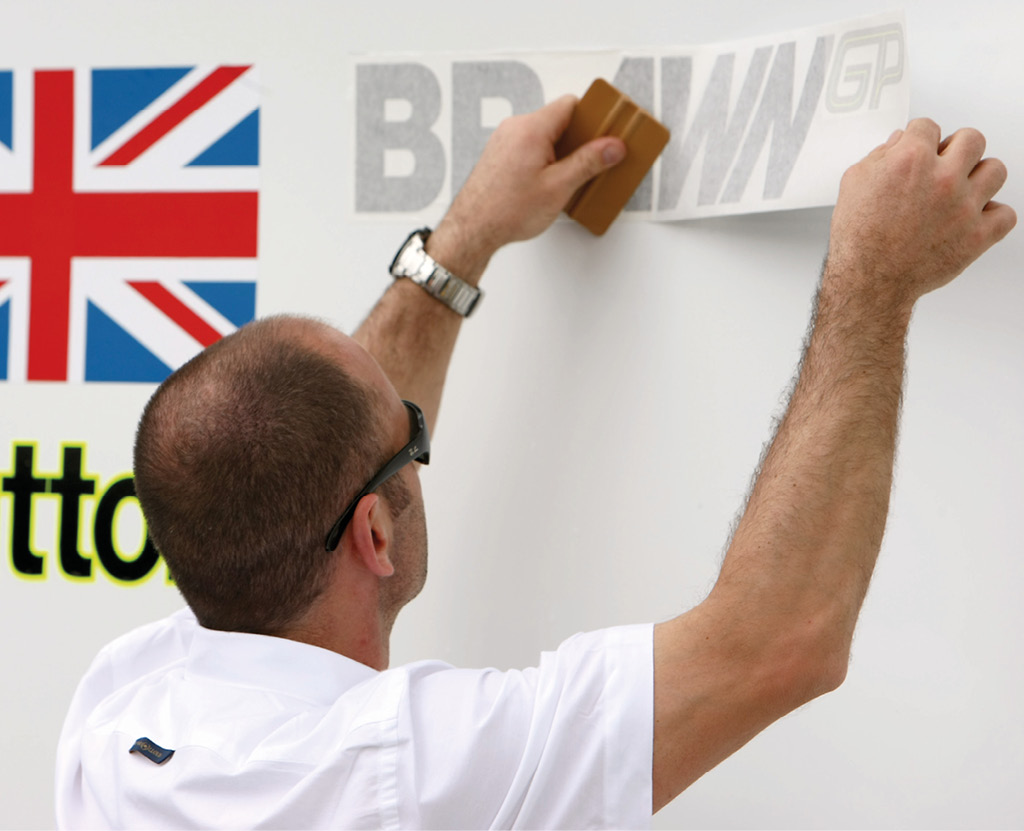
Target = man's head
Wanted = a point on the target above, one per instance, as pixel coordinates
(245, 457)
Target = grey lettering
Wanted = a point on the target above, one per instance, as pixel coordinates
(414, 83)
(635, 77)
(789, 131)
(711, 122)
(676, 78)
(472, 82)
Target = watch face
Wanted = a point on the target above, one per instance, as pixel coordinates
(410, 257)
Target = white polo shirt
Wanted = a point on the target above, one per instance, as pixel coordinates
(272, 733)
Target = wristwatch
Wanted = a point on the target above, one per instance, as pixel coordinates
(412, 261)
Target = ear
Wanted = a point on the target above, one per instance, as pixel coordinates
(370, 527)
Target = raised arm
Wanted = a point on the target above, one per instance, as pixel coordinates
(515, 192)
(776, 629)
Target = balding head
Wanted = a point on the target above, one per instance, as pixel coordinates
(243, 458)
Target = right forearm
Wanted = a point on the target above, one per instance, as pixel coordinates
(775, 631)
(803, 552)
(910, 217)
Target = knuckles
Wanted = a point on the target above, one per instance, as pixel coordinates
(969, 141)
(947, 184)
(999, 171)
(924, 128)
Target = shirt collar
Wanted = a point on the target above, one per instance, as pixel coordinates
(291, 667)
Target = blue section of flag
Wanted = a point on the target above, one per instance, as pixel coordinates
(7, 108)
(5, 338)
(118, 94)
(238, 146)
(236, 301)
(111, 354)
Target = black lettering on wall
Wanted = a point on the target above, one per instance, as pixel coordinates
(72, 487)
(23, 485)
(119, 566)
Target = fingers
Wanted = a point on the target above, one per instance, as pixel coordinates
(586, 162)
(554, 116)
(964, 150)
(920, 129)
(987, 177)
(965, 147)
(1000, 219)
(926, 130)
(895, 137)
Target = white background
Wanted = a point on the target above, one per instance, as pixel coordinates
(605, 409)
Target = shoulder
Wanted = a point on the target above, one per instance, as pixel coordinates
(118, 665)
(133, 655)
(546, 735)
(148, 647)
(600, 664)
(163, 638)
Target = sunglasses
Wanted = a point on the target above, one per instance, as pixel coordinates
(417, 450)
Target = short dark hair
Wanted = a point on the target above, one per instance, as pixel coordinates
(243, 459)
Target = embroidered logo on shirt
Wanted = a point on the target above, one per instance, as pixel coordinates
(151, 751)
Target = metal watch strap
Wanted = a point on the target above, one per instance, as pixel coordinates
(412, 261)
(456, 294)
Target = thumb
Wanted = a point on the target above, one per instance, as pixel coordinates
(586, 162)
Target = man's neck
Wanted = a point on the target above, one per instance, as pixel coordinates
(362, 635)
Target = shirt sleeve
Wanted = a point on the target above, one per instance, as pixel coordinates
(567, 744)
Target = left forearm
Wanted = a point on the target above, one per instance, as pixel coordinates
(515, 192)
(412, 335)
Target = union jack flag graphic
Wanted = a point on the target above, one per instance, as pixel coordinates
(128, 218)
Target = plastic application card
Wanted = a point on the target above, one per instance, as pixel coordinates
(605, 111)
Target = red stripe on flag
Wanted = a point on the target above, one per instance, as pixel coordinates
(166, 224)
(176, 311)
(15, 224)
(170, 118)
(52, 219)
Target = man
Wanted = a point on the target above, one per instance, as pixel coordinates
(276, 474)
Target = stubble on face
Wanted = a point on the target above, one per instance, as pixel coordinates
(409, 555)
